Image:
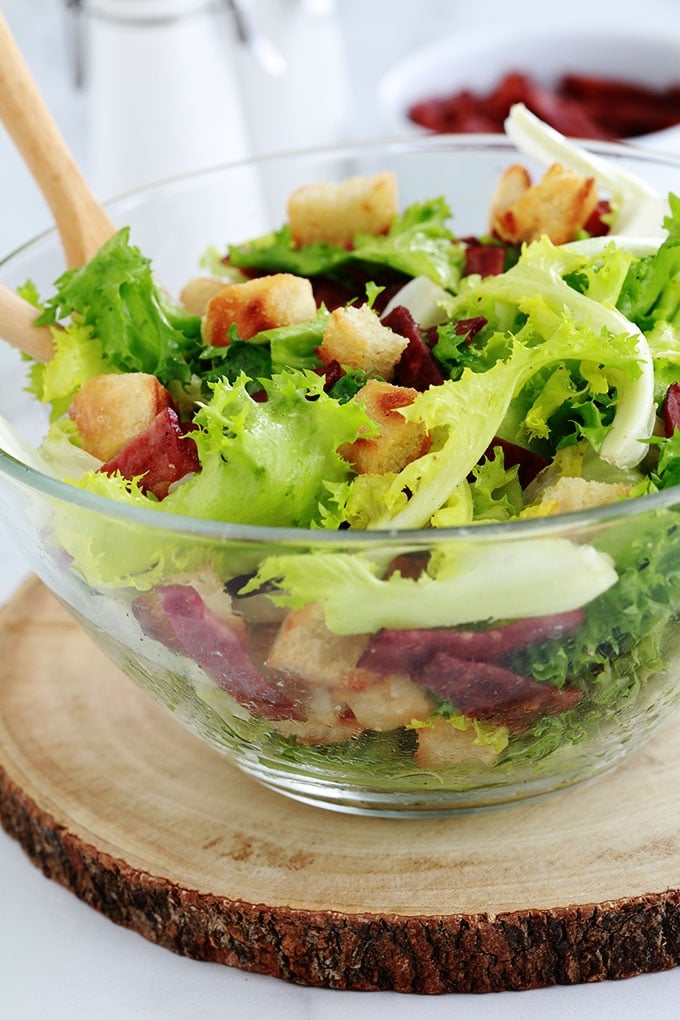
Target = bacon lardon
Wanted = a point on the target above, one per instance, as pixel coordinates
(177, 616)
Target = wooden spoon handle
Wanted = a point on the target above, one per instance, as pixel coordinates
(16, 326)
(82, 223)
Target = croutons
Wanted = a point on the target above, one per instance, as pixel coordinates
(442, 746)
(557, 206)
(511, 185)
(335, 213)
(197, 292)
(399, 442)
(304, 647)
(327, 720)
(263, 303)
(112, 409)
(572, 494)
(390, 702)
(356, 338)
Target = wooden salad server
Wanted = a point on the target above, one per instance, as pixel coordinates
(17, 327)
(82, 223)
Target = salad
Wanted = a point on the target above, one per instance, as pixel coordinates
(364, 369)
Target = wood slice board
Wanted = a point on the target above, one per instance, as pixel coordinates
(108, 795)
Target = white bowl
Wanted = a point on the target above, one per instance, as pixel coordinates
(478, 62)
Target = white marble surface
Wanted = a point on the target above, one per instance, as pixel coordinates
(58, 958)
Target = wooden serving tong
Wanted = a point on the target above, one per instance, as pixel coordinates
(82, 223)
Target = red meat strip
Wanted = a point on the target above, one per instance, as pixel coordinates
(585, 106)
(334, 293)
(161, 454)
(529, 464)
(485, 259)
(627, 108)
(490, 693)
(564, 113)
(460, 113)
(177, 616)
(670, 409)
(469, 328)
(417, 366)
(596, 225)
(332, 372)
(408, 651)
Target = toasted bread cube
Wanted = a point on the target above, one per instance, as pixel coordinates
(356, 338)
(304, 647)
(442, 746)
(400, 441)
(511, 185)
(196, 293)
(112, 409)
(327, 720)
(335, 213)
(391, 702)
(558, 206)
(573, 494)
(263, 303)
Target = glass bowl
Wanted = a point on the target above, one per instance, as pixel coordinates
(310, 702)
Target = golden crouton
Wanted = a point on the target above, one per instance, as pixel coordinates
(196, 293)
(110, 410)
(557, 206)
(512, 184)
(356, 338)
(392, 701)
(335, 213)
(263, 303)
(442, 746)
(327, 720)
(399, 442)
(304, 647)
(572, 494)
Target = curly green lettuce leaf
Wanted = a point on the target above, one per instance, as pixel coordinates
(651, 293)
(62, 453)
(666, 474)
(664, 346)
(295, 346)
(495, 490)
(619, 655)
(273, 462)
(138, 327)
(122, 551)
(418, 243)
(78, 356)
(467, 583)
(115, 553)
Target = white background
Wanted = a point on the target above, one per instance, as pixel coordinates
(58, 958)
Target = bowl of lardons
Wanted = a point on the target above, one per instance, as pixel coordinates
(608, 85)
(364, 462)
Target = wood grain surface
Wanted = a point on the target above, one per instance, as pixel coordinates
(108, 795)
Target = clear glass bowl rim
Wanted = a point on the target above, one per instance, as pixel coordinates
(45, 485)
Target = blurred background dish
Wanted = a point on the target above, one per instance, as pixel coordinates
(602, 84)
